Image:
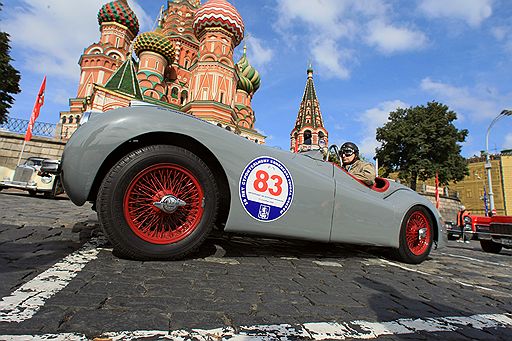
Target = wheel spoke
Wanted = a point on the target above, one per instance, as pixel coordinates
(152, 184)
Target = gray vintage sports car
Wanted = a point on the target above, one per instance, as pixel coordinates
(160, 180)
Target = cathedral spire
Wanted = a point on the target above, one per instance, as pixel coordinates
(309, 126)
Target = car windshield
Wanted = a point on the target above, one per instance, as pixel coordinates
(34, 162)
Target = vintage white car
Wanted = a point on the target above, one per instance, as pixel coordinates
(28, 176)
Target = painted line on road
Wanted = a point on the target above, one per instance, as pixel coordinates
(327, 263)
(24, 303)
(475, 259)
(444, 278)
(315, 331)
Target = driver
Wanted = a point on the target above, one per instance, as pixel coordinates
(364, 171)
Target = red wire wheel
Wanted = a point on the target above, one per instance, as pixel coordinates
(417, 244)
(149, 187)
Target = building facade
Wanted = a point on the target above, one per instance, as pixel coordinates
(471, 189)
(185, 64)
(309, 126)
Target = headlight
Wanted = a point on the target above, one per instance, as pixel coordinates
(46, 179)
(467, 220)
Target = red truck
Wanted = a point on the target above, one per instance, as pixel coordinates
(494, 233)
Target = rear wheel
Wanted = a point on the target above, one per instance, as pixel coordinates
(32, 193)
(158, 202)
(490, 246)
(416, 236)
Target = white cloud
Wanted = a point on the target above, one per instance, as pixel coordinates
(473, 12)
(374, 118)
(390, 39)
(258, 54)
(464, 99)
(332, 27)
(52, 34)
(331, 58)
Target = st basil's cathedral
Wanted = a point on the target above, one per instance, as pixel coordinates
(185, 64)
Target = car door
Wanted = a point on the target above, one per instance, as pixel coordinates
(361, 215)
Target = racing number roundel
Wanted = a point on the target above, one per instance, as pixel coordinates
(266, 189)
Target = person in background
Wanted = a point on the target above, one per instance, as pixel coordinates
(460, 223)
(364, 171)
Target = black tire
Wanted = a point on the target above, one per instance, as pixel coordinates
(32, 193)
(133, 236)
(417, 249)
(1, 188)
(490, 246)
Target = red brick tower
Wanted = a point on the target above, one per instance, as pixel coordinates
(118, 26)
(309, 127)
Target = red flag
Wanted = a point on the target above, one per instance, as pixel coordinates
(35, 112)
(437, 190)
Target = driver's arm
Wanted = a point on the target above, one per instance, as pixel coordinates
(366, 174)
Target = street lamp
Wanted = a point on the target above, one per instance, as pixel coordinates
(488, 158)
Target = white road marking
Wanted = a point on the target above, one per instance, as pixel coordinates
(444, 278)
(475, 259)
(23, 303)
(333, 264)
(317, 330)
(226, 261)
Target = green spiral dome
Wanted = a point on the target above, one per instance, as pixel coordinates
(244, 84)
(155, 42)
(248, 72)
(119, 12)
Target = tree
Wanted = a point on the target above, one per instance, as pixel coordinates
(9, 77)
(418, 142)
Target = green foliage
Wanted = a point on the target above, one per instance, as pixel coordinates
(418, 141)
(10, 79)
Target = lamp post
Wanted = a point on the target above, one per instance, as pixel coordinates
(488, 158)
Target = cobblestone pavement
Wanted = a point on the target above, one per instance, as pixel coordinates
(271, 287)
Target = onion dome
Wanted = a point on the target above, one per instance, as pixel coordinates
(155, 42)
(219, 13)
(247, 71)
(119, 12)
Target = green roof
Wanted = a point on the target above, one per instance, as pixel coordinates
(124, 80)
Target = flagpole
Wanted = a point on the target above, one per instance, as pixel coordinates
(21, 154)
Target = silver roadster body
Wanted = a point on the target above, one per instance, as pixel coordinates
(161, 179)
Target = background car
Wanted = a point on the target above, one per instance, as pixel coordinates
(28, 176)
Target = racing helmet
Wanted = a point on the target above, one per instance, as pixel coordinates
(349, 146)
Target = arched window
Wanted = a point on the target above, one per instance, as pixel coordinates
(174, 92)
(77, 119)
(228, 128)
(70, 120)
(184, 97)
(307, 137)
(219, 125)
(64, 120)
(186, 64)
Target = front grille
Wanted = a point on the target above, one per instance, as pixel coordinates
(500, 228)
(23, 174)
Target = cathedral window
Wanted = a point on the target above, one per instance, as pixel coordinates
(221, 97)
(307, 137)
(64, 120)
(186, 64)
(117, 41)
(157, 65)
(184, 96)
(70, 120)
(174, 93)
(77, 118)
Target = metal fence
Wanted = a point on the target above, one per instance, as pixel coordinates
(18, 125)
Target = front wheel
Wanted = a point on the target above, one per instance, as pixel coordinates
(416, 236)
(490, 246)
(158, 202)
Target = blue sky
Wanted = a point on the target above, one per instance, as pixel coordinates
(369, 57)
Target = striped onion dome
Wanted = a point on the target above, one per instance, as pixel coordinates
(219, 13)
(118, 11)
(247, 71)
(155, 42)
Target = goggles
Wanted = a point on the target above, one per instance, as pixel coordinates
(347, 152)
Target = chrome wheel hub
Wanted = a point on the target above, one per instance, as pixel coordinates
(169, 204)
(422, 233)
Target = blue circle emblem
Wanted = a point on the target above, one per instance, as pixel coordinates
(266, 189)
